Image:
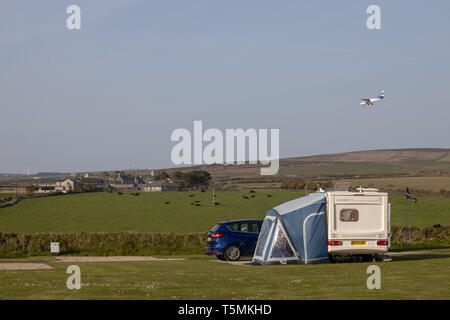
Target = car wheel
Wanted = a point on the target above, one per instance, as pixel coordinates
(221, 257)
(232, 253)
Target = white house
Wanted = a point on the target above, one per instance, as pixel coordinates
(160, 186)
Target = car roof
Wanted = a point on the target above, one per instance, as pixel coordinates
(241, 220)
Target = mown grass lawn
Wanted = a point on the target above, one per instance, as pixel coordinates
(105, 212)
(407, 277)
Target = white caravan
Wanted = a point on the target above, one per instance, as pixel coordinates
(358, 223)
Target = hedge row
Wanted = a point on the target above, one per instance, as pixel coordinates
(7, 202)
(135, 243)
(123, 243)
(420, 237)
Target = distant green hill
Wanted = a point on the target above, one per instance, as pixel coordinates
(348, 165)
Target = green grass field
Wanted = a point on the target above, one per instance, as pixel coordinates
(105, 212)
(407, 277)
(424, 276)
(364, 169)
(434, 184)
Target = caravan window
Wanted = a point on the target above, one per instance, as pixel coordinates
(349, 215)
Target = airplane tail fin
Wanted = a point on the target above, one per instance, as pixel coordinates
(381, 95)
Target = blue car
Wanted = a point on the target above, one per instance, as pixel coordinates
(231, 240)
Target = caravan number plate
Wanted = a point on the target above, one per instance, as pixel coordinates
(359, 243)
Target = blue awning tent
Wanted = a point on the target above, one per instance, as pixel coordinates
(294, 232)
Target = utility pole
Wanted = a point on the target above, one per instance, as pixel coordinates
(406, 225)
(213, 194)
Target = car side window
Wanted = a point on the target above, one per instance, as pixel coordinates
(244, 227)
(253, 227)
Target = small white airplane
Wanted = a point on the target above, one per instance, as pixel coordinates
(369, 102)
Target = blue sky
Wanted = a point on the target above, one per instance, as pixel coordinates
(113, 92)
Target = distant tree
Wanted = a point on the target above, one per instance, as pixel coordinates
(285, 183)
(312, 186)
(30, 189)
(163, 175)
(177, 175)
(300, 184)
(197, 179)
(289, 184)
(78, 187)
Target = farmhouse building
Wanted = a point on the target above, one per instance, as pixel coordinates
(160, 186)
(123, 182)
(67, 185)
(96, 182)
(46, 188)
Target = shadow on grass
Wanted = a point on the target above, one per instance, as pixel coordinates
(420, 247)
(415, 257)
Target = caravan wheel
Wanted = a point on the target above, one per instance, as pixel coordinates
(232, 253)
(367, 258)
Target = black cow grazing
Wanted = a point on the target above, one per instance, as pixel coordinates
(119, 192)
(269, 195)
(198, 204)
(203, 190)
(167, 202)
(191, 195)
(245, 197)
(252, 196)
(216, 203)
(252, 191)
(197, 201)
